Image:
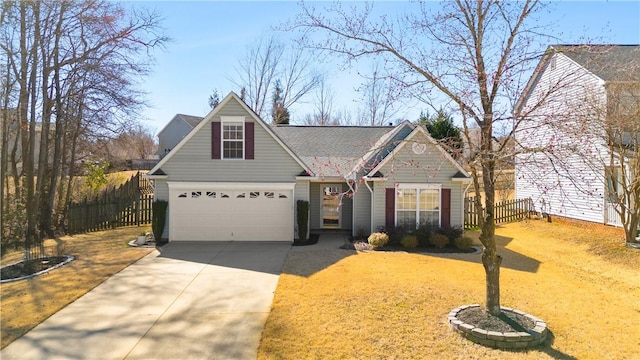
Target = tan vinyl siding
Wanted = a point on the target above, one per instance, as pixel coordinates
(571, 184)
(193, 162)
(431, 167)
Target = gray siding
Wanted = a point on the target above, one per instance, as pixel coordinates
(171, 135)
(193, 161)
(314, 205)
(431, 167)
(346, 213)
(362, 209)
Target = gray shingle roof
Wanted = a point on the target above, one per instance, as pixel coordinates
(330, 150)
(608, 62)
(190, 119)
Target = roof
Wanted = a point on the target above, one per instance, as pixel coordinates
(608, 62)
(190, 119)
(331, 150)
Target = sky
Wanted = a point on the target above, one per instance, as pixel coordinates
(209, 38)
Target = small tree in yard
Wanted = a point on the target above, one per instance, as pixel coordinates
(473, 54)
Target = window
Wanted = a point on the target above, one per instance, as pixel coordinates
(417, 204)
(614, 183)
(233, 140)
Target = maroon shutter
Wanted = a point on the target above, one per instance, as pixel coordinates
(390, 208)
(248, 140)
(215, 140)
(445, 212)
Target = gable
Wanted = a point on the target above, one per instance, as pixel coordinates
(430, 166)
(192, 160)
(419, 158)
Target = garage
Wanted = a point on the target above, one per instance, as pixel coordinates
(231, 211)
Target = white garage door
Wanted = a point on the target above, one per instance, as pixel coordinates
(225, 211)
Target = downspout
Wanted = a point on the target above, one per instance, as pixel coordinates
(370, 202)
(464, 196)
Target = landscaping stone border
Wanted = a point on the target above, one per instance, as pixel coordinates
(500, 340)
(66, 261)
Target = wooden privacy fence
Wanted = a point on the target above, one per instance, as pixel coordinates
(505, 211)
(130, 204)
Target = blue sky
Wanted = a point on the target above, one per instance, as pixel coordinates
(210, 37)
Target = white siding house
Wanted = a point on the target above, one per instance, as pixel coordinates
(562, 138)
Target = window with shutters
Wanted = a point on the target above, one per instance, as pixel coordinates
(233, 140)
(417, 204)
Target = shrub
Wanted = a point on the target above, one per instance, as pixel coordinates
(423, 233)
(409, 241)
(303, 219)
(361, 233)
(452, 233)
(378, 239)
(158, 219)
(439, 241)
(463, 243)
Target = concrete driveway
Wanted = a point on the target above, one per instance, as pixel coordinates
(191, 300)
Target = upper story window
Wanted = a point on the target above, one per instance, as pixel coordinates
(233, 140)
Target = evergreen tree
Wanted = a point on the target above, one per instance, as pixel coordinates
(279, 112)
(442, 129)
(214, 99)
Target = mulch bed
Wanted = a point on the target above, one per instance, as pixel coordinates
(30, 267)
(364, 246)
(313, 239)
(506, 322)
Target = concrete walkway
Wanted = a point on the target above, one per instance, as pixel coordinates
(192, 300)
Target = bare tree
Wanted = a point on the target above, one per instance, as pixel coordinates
(473, 54)
(267, 61)
(378, 99)
(72, 69)
(323, 103)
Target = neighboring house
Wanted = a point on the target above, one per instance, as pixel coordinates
(10, 121)
(175, 130)
(234, 177)
(564, 139)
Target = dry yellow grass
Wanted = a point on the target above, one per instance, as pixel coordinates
(26, 303)
(339, 304)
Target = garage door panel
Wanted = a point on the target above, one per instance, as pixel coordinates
(238, 214)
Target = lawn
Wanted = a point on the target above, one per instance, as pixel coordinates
(26, 303)
(340, 304)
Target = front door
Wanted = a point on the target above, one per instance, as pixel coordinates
(331, 194)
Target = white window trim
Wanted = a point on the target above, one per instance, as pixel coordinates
(418, 187)
(228, 120)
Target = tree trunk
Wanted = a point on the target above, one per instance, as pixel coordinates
(490, 259)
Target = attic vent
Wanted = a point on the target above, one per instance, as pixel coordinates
(552, 65)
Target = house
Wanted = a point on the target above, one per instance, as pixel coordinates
(234, 177)
(568, 114)
(175, 130)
